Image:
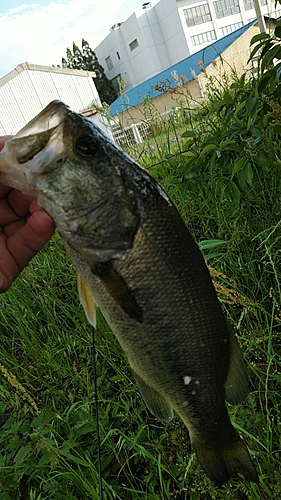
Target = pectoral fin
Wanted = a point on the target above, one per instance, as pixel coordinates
(118, 289)
(154, 401)
(236, 386)
(87, 300)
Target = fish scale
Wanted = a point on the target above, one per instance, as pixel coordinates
(138, 263)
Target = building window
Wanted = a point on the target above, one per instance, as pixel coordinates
(197, 15)
(224, 8)
(203, 37)
(248, 4)
(231, 27)
(116, 83)
(109, 63)
(118, 55)
(134, 44)
(276, 13)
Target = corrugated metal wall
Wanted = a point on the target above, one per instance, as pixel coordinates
(29, 88)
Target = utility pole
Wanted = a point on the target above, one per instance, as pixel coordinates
(259, 15)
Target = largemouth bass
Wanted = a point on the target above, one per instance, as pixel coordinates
(138, 263)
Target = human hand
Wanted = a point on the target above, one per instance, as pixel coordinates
(24, 229)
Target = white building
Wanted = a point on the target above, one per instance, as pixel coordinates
(26, 90)
(155, 37)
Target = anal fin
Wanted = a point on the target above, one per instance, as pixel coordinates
(154, 401)
(118, 289)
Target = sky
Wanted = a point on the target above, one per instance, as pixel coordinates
(40, 31)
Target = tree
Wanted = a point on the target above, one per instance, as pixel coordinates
(86, 59)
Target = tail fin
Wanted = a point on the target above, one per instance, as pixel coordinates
(222, 464)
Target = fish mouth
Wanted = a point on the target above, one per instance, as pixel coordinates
(23, 159)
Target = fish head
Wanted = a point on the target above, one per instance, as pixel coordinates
(75, 172)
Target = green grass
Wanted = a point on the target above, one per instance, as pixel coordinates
(48, 448)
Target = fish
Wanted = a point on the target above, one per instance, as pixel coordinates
(138, 263)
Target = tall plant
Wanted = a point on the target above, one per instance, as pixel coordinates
(86, 59)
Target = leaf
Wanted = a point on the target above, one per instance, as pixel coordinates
(227, 99)
(239, 165)
(274, 53)
(265, 80)
(262, 160)
(248, 173)
(73, 458)
(251, 104)
(14, 443)
(260, 36)
(277, 73)
(87, 427)
(241, 106)
(277, 31)
(23, 452)
(189, 153)
(256, 49)
(208, 148)
(189, 133)
(233, 193)
(214, 245)
(209, 244)
(266, 48)
(229, 145)
(236, 126)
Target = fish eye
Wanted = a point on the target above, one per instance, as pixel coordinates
(86, 146)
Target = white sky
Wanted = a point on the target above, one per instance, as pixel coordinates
(39, 32)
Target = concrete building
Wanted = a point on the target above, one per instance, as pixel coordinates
(155, 38)
(182, 85)
(26, 90)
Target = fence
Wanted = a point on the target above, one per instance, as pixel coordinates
(134, 134)
(137, 132)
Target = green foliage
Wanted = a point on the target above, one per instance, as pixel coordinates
(86, 59)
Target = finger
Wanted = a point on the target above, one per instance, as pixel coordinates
(7, 214)
(12, 227)
(13, 207)
(4, 190)
(4, 139)
(34, 207)
(19, 202)
(30, 238)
